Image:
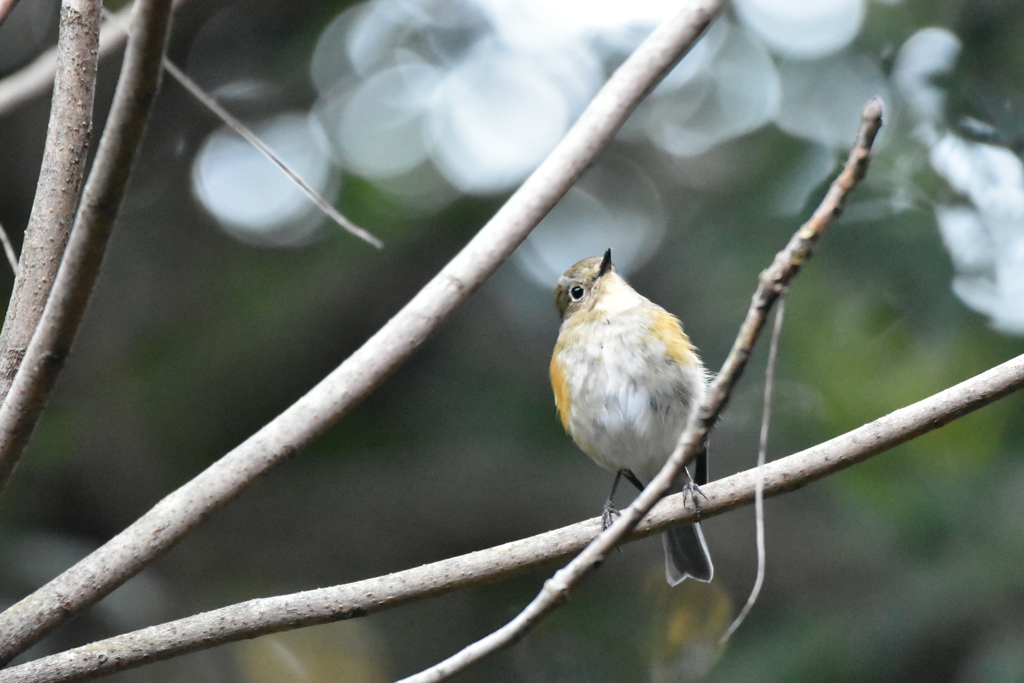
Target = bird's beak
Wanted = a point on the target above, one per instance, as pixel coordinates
(606, 263)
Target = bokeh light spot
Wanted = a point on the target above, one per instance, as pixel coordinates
(250, 196)
(804, 29)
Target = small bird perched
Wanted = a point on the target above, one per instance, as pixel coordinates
(626, 379)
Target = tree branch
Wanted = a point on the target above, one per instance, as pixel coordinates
(172, 518)
(60, 182)
(269, 615)
(12, 257)
(245, 133)
(787, 263)
(773, 282)
(6, 6)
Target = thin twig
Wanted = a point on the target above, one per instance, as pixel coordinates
(241, 129)
(59, 185)
(12, 257)
(101, 200)
(181, 511)
(772, 282)
(762, 455)
(36, 78)
(349, 601)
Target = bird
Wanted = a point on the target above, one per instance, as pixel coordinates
(626, 380)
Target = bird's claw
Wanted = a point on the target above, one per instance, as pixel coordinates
(608, 514)
(693, 490)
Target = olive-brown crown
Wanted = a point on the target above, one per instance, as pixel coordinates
(575, 288)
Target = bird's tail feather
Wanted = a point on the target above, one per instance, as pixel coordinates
(686, 554)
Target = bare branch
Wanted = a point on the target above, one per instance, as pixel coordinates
(241, 129)
(788, 262)
(59, 185)
(35, 79)
(5, 9)
(269, 615)
(101, 200)
(172, 518)
(12, 257)
(773, 281)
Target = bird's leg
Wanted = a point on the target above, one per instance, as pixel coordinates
(701, 468)
(609, 513)
(693, 489)
(632, 479)
(690, 486)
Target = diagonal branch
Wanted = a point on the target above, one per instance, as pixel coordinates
(787, 264)
(773, 282)
(60, 181)
(101, 200)
(6, 6)
(270, 615)
(184, 509)
(243, 131)
(12, 257)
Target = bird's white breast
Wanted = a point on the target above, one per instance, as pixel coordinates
(630, 399)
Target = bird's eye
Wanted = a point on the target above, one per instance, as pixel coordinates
(576, 293)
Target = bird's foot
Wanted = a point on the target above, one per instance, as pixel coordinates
(608, 514)
(693, 490)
